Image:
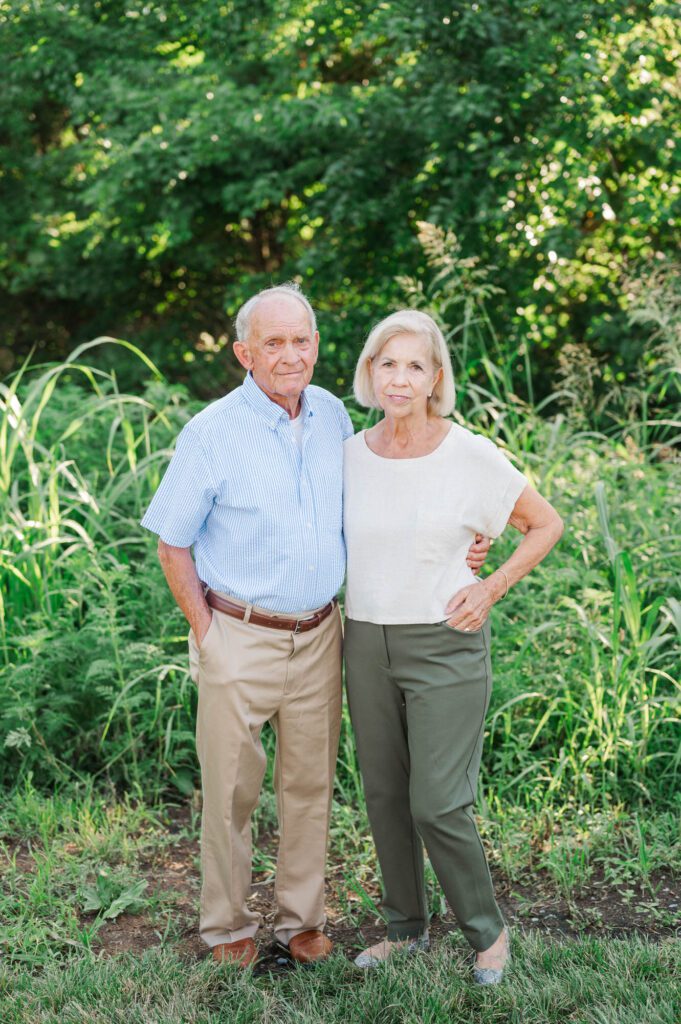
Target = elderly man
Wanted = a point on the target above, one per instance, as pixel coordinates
(255, 486)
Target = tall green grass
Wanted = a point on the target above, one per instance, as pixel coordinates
(92, 680)
(93, 677)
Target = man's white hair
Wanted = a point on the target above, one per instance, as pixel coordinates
(242, 321)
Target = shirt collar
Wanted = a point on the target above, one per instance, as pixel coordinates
(268, 409)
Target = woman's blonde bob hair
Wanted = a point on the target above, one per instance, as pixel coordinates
(407, 321)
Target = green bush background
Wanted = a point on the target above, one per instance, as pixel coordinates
(161, 161)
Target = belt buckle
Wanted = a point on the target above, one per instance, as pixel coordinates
(296, 628)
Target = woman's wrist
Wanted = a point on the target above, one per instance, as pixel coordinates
(497, 585)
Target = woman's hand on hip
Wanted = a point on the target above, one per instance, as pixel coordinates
(469, 607)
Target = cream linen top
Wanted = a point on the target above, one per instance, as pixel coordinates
(408, 523)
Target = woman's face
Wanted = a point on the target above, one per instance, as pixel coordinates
(403, 375)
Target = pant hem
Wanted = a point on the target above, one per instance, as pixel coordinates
(284, 935)
(398, 932)
(247, 932)
(482, 941)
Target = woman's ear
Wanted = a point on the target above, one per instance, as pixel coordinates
(436, 380)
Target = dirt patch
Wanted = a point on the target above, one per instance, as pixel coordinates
(531, 904)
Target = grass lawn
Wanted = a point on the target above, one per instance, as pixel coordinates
(99, 907)
(590, 980)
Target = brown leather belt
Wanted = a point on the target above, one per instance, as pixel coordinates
(221, 604)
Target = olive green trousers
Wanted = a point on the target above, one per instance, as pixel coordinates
(418, 695)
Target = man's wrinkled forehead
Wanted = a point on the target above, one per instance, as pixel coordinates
(280, 315)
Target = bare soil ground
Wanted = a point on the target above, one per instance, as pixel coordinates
(534, 903)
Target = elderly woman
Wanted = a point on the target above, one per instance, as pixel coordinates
(417, 489)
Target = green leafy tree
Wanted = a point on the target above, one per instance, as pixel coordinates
(162, 160)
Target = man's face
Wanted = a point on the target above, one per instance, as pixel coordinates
(281, 349)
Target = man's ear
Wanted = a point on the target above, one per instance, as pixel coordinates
(243, 354)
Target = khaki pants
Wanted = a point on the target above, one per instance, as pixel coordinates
(248, 675)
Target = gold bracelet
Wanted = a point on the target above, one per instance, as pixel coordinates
(506, 578)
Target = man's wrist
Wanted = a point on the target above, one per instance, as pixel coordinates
(200, 623)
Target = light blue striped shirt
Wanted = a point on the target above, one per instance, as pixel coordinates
(265, 520)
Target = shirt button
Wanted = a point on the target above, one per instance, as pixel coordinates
(311, 568)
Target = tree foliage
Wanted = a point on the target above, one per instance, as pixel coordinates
(163, 160)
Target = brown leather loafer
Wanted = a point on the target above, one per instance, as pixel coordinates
(241, 952)
(310, 946)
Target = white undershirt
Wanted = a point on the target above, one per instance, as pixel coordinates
(408, 523)
(297, 428)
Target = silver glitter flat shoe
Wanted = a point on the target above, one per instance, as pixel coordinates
(367, 960)
(487, 975)
(493, 975)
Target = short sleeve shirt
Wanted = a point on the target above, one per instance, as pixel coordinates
(409, 523)
(263, 514)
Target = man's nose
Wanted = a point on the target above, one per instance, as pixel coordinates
(290, 353)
